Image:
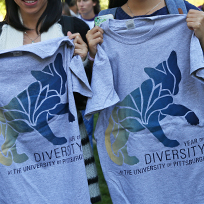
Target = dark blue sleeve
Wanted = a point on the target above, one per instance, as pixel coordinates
(190, 6)
(120, 14)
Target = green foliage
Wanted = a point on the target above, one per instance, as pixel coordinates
(104, 4)
(2, 9)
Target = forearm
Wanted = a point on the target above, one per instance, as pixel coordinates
(202, 43)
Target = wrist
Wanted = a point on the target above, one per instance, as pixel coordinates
(85, 62)
(90, 58)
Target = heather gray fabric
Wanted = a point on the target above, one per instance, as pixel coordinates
(151, 143)
(41, 158)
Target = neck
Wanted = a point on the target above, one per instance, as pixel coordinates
(89, 15)
(141, 7)
(29, 21)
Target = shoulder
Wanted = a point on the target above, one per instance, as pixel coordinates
(75, 25)
(79, 24)
(1, 25)
(190, 6)
(81, 27)
(108, 11)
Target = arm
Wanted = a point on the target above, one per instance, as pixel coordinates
(80, 46)
(94, 37)
(76, 30)
(195, 22)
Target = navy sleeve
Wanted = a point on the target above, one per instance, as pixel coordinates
(190, 6)
(120, 14)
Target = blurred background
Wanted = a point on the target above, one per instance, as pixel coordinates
(2, 10)
(103, 3)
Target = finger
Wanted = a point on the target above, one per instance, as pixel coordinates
(81, 53)
(195, 18)
(94, 36)
(195, 14)
(190, 28)
(94, 42)
(74, 35)
(78, 41)
(69, 34)
(99, 29)
(79, 46)
(95, 30)
(194, 11)
(193, 25)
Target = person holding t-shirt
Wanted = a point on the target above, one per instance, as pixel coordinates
(156, 63)
(27, 25)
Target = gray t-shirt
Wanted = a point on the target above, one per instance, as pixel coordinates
(41, 159)
(151, 143)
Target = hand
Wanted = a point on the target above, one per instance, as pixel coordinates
(94, 37)
(195, 22)
(80, 46)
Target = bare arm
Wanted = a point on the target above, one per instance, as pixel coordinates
(80, 46)
(94, 37)
(195, 22)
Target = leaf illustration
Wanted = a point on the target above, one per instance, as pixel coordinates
(144, 108)
(32, 109)
(20, 126)
(159, 104)
(15, 115)
(47, 105)
(53, 75)
(167, 74)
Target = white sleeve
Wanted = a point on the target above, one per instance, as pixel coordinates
(102, 85)
(196, 59)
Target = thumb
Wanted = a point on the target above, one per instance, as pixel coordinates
(69, 33)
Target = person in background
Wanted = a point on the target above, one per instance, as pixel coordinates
(73, 7)
(32, 22)
(88, 10)
(65, 9)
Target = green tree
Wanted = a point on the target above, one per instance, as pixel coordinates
(2, 9)
(104, 4)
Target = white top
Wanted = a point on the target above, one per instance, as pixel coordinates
(90, 22)
(12, 38)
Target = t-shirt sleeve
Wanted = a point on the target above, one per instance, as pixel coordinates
(80, 82)
(196, 59)
(104, 94)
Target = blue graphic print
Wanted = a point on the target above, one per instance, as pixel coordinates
(32, 109)
(144, 108)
